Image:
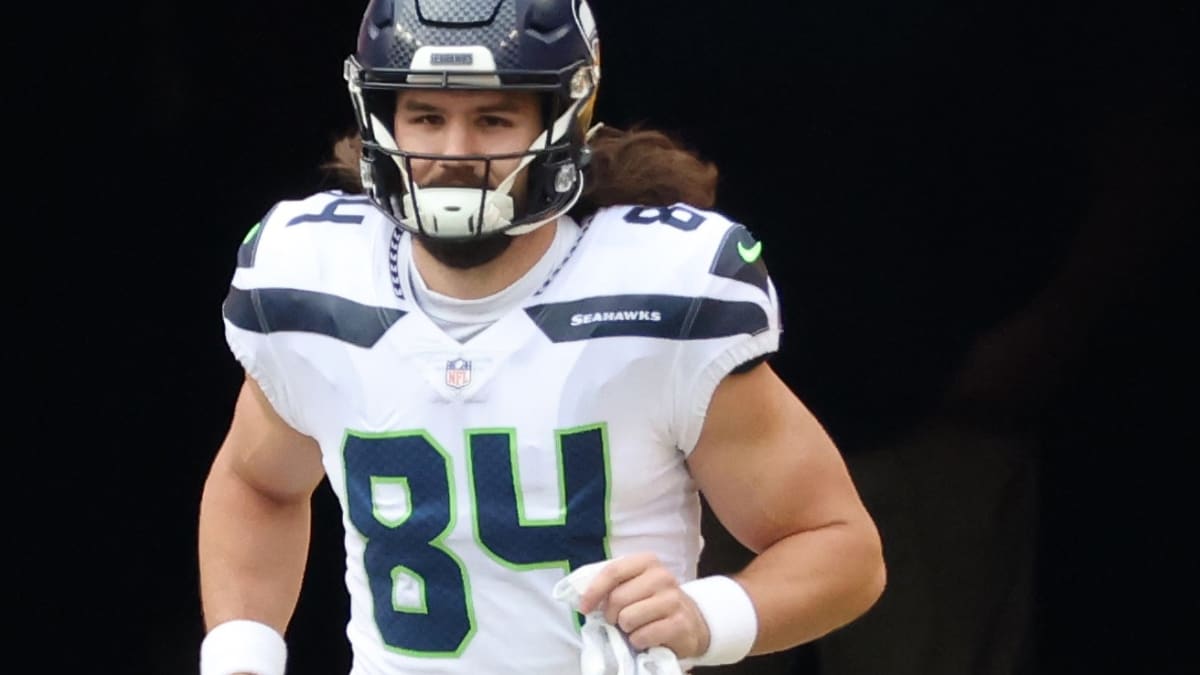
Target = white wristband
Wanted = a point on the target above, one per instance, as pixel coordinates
(243, 646)
(732, 620)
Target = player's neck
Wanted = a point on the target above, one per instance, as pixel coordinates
(491, 277)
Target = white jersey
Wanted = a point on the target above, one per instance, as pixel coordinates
(473, 476)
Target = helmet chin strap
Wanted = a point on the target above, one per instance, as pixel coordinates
(454, 211)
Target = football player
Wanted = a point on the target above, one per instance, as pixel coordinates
(524, 344)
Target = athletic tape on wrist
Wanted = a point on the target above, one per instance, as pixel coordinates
(731, 618)
(243, 646)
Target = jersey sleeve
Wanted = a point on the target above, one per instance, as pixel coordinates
(270, 260)
(735, 319)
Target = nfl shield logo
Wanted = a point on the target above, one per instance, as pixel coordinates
(458, 373)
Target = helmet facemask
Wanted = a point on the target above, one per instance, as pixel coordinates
(465, 209)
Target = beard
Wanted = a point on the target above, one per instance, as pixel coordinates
(464, 254)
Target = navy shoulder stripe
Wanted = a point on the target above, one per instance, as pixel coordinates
(740, 258)
(274, 310)
(670, 317)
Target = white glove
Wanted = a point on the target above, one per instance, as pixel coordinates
(606, 648)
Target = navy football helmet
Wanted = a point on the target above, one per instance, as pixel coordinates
(546, 46)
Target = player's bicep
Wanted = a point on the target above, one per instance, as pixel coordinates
(765, 464)
(265, 452)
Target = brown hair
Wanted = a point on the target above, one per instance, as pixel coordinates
(638, 166)
(644, 167)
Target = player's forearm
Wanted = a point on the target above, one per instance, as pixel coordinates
(808, 584)
(252, 552)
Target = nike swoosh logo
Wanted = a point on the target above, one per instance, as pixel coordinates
(750, 254)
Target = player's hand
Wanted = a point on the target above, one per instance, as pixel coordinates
(642, 597)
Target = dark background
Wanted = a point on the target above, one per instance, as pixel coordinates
(920, 173)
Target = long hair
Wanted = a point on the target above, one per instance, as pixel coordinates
(644, 167)
(638, 166)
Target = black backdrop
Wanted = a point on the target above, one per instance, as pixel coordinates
(918, 171)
